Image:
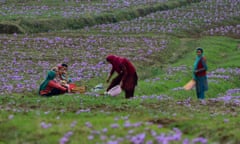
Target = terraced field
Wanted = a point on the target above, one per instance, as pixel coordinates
(158, 36)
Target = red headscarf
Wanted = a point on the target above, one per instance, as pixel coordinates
(117, 61)
(60, 67)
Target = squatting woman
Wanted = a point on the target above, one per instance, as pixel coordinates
(50, 87)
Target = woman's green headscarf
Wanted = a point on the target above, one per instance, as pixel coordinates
(50, 76)
(198, 58)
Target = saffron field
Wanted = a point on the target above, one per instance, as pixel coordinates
(162, 47)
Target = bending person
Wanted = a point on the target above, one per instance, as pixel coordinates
(127, 75)
(50, 87)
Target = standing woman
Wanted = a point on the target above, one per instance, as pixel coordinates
(200, 74)
(50, 87)
(127, 75)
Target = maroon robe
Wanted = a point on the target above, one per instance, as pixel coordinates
(127, 74)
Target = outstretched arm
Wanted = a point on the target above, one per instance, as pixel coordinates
(204, 63)
(57, 86)
(110, 75)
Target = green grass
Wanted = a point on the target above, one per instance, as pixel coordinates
(194, 119)
(162, 75)
(214, 121)
(38, 19)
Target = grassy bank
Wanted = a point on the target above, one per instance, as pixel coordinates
(162, 47)
(160, 106)
(45, 22)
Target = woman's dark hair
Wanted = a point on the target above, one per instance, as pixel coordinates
(200, 49)
(65, 65)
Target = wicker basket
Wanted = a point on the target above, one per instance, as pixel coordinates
(79, 89)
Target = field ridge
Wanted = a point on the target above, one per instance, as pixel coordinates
(26, 25)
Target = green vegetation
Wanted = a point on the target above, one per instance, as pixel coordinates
(160, 111)
(36, 20)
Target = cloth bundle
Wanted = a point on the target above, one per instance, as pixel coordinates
(190, 84)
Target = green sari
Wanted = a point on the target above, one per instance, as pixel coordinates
(198, 58)
(50, 76)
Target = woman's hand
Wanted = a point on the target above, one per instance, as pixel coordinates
(68, 88)
(107, 80)
(199, 70)
(121, 84)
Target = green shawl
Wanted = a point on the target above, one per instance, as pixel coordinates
(50, 76)
(198, 58)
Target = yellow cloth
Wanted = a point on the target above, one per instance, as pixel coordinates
(189, 85)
